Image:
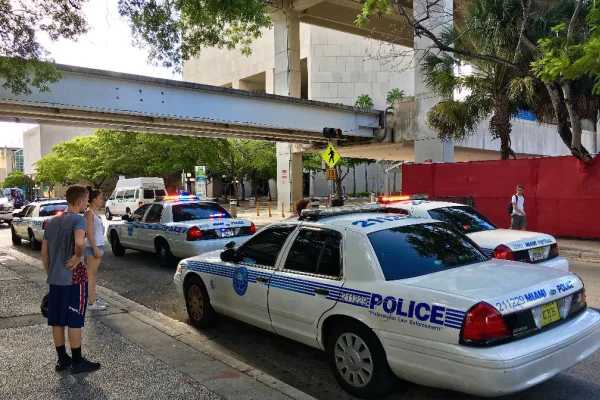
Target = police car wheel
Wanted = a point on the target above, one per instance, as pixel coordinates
(197, 302)
(15, 238)
(108, 215)
(115, 245)
(33, 243)
(165, 257)
(358, 361)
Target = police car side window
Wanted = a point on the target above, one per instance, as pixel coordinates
(25, 211)
(154, 214)
(139, 213)
(264, 248)
(30, 211)
(316, 251)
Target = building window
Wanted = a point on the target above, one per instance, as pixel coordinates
(18, 160)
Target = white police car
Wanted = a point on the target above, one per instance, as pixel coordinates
(178, 227)
(386, 294)
(30, 222)
(525, 246)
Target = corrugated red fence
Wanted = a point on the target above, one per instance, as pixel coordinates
(562, 194)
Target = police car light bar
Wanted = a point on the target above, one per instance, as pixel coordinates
(176, 198)
(330, 212)
(390, 199)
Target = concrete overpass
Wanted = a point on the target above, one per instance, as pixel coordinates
(106, 99)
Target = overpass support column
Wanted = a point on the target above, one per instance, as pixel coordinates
(287, 83)
(427, 146)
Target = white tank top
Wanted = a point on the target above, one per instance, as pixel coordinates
(97, 231)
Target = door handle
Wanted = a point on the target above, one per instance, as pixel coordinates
(262, 279)
(324, 292)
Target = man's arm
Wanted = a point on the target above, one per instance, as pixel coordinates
(46, 255)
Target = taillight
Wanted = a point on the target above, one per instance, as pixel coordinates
(44, 224)
(194, 233)
(141, 203)
(504, 253)
(252, 229)
(484, 324)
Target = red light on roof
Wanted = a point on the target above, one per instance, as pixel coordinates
(389, 199)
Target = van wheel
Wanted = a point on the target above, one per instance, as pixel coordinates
(33, 243)
(358, 361)
(108, 215)
(197, 303)
(15, 239)
(163, 252)
(115, 245)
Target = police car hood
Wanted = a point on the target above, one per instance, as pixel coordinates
(501, 283)
(513, 239)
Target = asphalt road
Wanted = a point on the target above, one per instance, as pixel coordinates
(138, 277)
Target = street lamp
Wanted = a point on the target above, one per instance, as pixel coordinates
(189, 181)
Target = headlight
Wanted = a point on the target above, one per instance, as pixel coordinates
(178, 270)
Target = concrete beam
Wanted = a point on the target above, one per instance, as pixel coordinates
(136, 102)
(301, 5)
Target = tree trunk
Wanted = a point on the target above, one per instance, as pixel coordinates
(354, 180)
(338, 182)
(366, 179)
(562, 122)
(500, 125)
(243, 189)
(576, 147)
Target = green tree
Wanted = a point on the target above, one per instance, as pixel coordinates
(23, 60)
(16, 179)
(364, 101)
(394, 94)
(175, 31)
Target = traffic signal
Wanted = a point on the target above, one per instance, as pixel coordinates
(332, 133)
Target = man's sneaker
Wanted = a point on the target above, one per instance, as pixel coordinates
(62, 364)
(96, 306)
(101, 302)
(85, 366)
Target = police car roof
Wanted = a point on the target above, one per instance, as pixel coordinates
(424, 204)
(176, 201)
(358, 221)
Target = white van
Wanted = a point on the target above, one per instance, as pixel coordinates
(133, 193)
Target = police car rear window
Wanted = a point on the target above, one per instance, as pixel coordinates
(192, 211)
(52, 209)
(415, 250)
(464, 218)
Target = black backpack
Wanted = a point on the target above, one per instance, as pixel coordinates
(510, 205)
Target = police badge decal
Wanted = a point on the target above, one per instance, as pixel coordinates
(240, 281)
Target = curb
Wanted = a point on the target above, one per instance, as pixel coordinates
(179, 331)
(580, 255)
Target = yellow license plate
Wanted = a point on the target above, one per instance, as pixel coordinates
(550, 313)
(538, 253)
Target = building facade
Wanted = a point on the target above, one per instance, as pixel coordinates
(11, 160)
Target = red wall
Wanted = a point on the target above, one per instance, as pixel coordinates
(562, 194)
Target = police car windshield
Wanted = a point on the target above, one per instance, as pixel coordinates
(421, 249)
(464, 218)
(193, 211)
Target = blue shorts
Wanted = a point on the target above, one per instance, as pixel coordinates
(89, 251)
(67, 305)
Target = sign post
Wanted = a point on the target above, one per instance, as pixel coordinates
(200, 181)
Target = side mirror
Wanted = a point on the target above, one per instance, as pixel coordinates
(229, 255)
(230, 245)
(125, 218)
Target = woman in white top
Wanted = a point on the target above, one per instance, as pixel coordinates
(94, 245)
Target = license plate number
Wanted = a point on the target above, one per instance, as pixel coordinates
(537, 253)
(228, 233)
(550, 313)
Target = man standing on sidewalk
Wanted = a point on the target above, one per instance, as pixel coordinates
(518, 217)
(62, 255)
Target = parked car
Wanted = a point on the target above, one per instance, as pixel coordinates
(30, 222)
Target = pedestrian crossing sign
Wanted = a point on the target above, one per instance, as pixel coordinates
(330, 156)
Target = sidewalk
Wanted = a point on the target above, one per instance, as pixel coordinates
(144, 354)
(579, 249)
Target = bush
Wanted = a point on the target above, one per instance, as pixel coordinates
(364, 101)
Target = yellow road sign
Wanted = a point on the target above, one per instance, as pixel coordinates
(330, 156)
(330, 174)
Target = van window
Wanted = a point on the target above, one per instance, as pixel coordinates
(137, 193)
(152, 193)
(120, 194)
(129, 194)
(113, 195)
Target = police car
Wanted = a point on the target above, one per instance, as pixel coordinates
(30, 222)
(385, 294)
(525, 246)
(177, 227)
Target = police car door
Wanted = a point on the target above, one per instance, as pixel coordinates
(130, 230)
(149, 227)
(307, 284)
(19, 224)
(244, 295)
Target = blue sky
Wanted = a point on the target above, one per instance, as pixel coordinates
(108, 46)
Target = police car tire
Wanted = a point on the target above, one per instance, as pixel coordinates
(108, 214)
(15, 238)
(167, 260)
(33, 243)
(208, 314)
(115, 245)
(382, 379)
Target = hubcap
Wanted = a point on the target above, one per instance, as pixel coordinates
(353, 360)
(195, 302)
